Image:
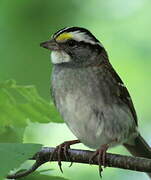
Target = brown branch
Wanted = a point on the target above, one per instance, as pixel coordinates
(83, 156)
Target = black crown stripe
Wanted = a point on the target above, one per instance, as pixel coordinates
(72, 29)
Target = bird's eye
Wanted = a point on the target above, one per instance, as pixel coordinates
(72, 43)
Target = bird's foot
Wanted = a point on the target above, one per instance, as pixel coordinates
(101, 157)
(63, 148)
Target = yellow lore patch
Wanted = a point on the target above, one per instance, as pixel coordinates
(64, 37)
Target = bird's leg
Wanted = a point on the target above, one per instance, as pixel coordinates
(101, 156)
(63, 148)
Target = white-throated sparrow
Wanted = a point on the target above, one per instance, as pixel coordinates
(90, 95)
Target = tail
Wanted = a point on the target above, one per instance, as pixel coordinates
(139, 149)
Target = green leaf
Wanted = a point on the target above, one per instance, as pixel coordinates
(14, 154)
(21, 103)
(37, 176)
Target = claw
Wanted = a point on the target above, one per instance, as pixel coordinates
(59, 157)
(71, 164)
(52, 155)
(100, 171)
(57, 150)
(66, 153)
(101, 153)
(63, 148)
(93, 156)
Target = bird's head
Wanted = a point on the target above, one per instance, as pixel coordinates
(73, 45)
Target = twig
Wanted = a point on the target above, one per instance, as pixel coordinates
(25, 173)
(83, 156)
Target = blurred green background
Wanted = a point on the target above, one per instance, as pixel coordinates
(124, 27)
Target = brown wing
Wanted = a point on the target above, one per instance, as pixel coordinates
(123, 92)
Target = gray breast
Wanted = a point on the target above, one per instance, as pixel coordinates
(86, 105)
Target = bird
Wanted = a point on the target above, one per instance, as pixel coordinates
(91, 97)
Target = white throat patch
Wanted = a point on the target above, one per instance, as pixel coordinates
(58, 57)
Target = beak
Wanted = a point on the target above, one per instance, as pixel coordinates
(51, 44)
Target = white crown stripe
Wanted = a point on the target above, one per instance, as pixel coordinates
(80, 36)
